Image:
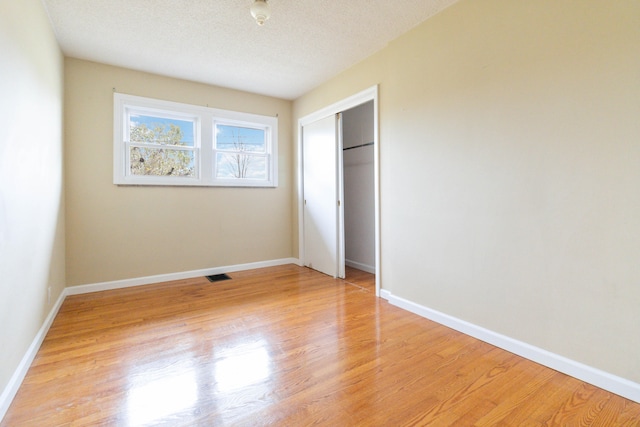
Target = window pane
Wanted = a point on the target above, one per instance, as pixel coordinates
(236, 138)
(160, 130)
(162, 162)
(241, 166)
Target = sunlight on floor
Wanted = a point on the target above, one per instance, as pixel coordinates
(161, 397)
(242, 365)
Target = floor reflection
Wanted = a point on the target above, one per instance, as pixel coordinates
(242, 365)
(152, 398)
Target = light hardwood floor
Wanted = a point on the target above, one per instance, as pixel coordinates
(285, 346)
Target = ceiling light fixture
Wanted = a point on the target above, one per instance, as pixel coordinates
(260, 11)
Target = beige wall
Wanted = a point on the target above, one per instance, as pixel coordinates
(126, 232)
(31, 198)
(510, 153)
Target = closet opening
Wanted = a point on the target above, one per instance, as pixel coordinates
(358, 148)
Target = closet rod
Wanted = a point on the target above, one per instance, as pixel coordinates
(357, 146)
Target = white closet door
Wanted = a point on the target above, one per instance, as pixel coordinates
(320, 143)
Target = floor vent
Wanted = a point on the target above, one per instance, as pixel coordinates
(218, 277)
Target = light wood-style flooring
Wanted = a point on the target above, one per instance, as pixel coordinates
(285, 346)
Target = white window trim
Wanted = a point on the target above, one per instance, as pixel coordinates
(203, 142)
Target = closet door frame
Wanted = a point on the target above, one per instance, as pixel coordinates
(370, 94)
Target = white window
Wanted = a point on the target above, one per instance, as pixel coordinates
(166, 143)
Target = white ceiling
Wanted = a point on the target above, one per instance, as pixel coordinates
(305, 43)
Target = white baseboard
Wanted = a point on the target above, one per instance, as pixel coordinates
(360, 266)
(139, 281)
(16, 379)
(602, 379)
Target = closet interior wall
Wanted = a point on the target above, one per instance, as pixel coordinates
(359, 190)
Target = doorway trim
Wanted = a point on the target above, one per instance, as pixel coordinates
(370, 94)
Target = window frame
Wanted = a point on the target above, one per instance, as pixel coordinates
(205, 119)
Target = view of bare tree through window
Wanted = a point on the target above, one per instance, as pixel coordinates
(241, 152)
(154, 143)
(240, 161)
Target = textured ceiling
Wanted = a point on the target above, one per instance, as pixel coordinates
(305, 42)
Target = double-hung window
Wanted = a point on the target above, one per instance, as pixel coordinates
(167, 143)
(241, 151)
(161, 144)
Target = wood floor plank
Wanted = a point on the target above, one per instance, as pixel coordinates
(285, 346)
